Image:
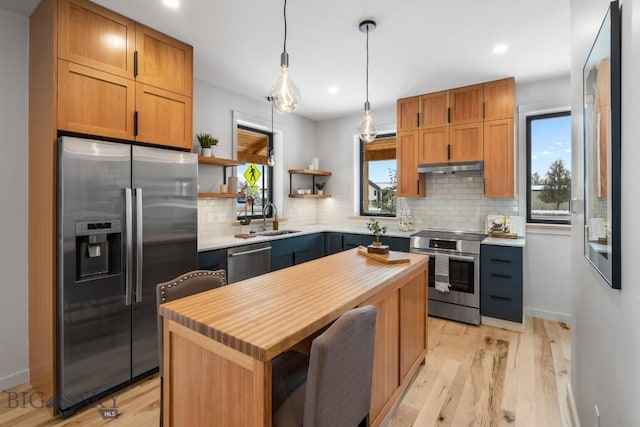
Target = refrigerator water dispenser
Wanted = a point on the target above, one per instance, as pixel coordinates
(98, 252)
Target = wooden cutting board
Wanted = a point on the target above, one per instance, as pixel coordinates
(391, 258)
(244, 235)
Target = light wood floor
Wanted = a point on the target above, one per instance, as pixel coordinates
(474, 376)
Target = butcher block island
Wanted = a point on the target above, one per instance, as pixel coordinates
(218, 345)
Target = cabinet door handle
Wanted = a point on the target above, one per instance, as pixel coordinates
(135, 64)
(483, 110)
(418, 119)
(499, 297)
(502, 276)
(135, 123)
(448, 151)
(448, 114)
(500, 260)
(418, 186)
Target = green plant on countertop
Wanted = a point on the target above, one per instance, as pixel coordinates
(374, 226)
(320, 185)
(206, 140)
(245, 221)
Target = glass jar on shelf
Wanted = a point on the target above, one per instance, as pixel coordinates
(405, 220)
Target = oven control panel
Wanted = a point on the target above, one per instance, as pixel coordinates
(451, 245)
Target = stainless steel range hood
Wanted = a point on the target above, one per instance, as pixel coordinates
(443, 168)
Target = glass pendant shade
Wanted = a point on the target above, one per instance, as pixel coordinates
(367, 129)
(271, 161)
(285, 95)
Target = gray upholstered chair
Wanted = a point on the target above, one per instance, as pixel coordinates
(337, 390)
(182, 286)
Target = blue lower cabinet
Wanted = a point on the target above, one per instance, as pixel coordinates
(281, 254)
(501, 282)
(308, 248)
(352, 240)
(213, 260)
(332, 243)
(296, 250)
(400, 244)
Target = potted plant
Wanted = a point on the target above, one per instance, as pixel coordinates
(206, 141)
(320, 187)
(374, 226)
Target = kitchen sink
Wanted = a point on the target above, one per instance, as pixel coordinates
(276, 232)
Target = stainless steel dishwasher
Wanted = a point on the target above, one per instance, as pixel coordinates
(248, 261)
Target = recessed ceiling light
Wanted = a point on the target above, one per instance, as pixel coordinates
(173, 4)
(332, 90)
(500, 48)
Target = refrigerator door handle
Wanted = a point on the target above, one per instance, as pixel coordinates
(128, 244)
(139, 245)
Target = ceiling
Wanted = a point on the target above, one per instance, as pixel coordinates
(419, 46)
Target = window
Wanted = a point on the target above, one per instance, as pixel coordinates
(378, 176)
(254, 147)
(549, 168)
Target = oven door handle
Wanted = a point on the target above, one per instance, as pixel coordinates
(462, 258)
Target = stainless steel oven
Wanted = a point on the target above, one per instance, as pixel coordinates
(454, 273)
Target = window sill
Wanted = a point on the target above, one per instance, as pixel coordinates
(379, 218)
(558, 229)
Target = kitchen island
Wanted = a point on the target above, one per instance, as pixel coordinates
(218, 345)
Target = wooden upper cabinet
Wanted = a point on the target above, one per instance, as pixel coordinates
(434, 110)
(434, 145)
(96, 37)
(466, 142)
(407, 111)
(499, 159)
(499, 99)
(164, 62)
(94, 102)
(163, 117)
(410, 183)
(466, 104)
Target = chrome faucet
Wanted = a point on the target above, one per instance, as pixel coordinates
(264, 214)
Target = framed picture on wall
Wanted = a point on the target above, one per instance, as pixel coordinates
(602, 134)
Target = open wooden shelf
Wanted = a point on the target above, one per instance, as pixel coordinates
(309, 196)
(218, 161)
(219, 195)
(310, 172)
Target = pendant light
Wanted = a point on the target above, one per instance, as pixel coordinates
(285, 94)
(271, 160)
(367, 129)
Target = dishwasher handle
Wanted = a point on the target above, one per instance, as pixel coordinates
(253, 251)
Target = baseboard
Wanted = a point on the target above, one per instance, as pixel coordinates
(571, 404)
(548, 315)
(14, 380)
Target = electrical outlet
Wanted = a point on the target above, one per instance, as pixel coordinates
(596, 412)
(210, 217)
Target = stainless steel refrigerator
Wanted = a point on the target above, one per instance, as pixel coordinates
(127, 220)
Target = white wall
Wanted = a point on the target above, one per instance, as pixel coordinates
(14, 68)
(605, 369)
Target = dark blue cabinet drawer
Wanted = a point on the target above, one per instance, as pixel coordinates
(501, 259)
(501, 308)
(505, 284)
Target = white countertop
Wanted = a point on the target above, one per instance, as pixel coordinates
(498, 241)
(226, 241)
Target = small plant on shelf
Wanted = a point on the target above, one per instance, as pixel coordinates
(374, 226)
(320, 187)
(206, 141)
